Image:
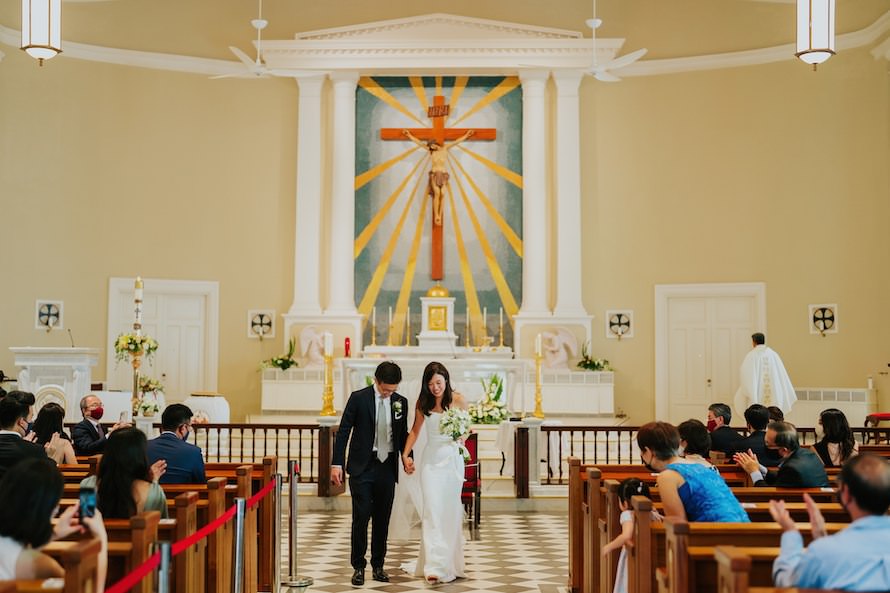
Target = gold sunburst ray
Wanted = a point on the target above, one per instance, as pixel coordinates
(502, 88)
(508, 232)
(408, 279)
(420, 92)
(502, 171)
(466, 272)
(497, 275)
(365, 236)
(370, 85)
(362, 179)
(373, 289)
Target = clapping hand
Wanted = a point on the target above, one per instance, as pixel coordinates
(157, 469)
(54, 449)
(747, 461)
(817, 521)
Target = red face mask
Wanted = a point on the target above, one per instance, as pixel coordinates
(96, 413)
(712, 425)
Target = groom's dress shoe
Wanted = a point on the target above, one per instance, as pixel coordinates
(358, 577)
(381, 576)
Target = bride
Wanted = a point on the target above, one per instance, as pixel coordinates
(441, 478)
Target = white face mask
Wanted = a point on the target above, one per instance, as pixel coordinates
(681, 451)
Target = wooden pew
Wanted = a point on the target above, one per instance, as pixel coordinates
(883, 450)
(80, 561)
(131, 542)
(652, 547)
(734, 565)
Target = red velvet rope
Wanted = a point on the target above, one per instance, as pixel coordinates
(130, 580)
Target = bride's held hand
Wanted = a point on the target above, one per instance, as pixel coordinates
(408, 463)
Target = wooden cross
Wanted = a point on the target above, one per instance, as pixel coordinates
(437, 112)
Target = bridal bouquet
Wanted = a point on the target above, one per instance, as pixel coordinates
(455, 423)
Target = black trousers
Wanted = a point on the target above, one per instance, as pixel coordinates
(372, 494)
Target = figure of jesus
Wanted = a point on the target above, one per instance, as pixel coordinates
(438, 172)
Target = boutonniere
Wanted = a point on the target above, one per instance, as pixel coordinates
(397, 408)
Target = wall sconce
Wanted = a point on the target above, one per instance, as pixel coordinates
(42, 28)
(815, 31)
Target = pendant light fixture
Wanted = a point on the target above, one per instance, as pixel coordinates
(815, 30)
(42, 28)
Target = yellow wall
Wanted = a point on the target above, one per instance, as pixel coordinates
(768, 174)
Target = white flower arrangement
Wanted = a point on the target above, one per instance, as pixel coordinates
(127, 345)
(149, 385)
(148, 407)
(397, 409)
(455, 423)
(490, 409)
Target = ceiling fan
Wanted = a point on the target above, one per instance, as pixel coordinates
(602, 72)
(256, 68)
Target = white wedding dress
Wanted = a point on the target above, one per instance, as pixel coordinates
(441, 474)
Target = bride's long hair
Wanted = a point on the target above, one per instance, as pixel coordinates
(426, 401)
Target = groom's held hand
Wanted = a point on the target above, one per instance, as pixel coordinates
(408, 463)
(336, 475)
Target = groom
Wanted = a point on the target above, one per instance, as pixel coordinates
(376, 417)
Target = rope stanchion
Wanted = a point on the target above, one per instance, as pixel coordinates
(293, 579)
(238, 549)
(276, 530)
(164, 568)
(140, 572)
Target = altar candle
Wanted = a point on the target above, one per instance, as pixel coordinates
(374, 317)
(501, 319)
(328, 344)
(408, 325)
(538, 348)
(138, 288)
(485, 319)
(390, 319)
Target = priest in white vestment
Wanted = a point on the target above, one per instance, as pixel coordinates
(764, 379)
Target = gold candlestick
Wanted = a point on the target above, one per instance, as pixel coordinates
(539, 410)
(408, 327)
(373, 333)
(327, 395)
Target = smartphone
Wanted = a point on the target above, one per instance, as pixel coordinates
(87, 502)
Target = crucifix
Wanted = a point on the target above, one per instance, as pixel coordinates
(437, 140)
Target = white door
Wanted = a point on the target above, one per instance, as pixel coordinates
(702, 334)
(181, 316)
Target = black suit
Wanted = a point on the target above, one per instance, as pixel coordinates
(371, 482)
(723, 439)
(87, 440)
(185, 463)
(14, 448)
(802, 469)
(756, 442)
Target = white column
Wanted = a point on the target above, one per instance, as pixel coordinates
(567, 161)
(534, 194)
(307, 244)
(341, 292)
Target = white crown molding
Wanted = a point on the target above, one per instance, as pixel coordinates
(520, 48)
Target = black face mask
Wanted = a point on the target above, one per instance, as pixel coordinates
(648, 465)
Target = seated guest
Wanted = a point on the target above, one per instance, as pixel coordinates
(49, 422)
(688, 490)
(13, 427)
(837, 444)
(799, 468)
(856, 558)
(776, 414)
(757, 417)
(125, 484)
(185, 464)
(695, 443)
(90, 436)
(29, 497)
(722, 436)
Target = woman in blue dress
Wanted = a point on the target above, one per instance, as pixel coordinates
(689, 491)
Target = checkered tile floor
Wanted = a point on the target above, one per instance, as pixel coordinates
(509, 553)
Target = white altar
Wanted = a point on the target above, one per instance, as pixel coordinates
(60, 375)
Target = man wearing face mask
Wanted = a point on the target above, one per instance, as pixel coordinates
(88, 435)
(185, 463)
(799, 467)
(722, 436)
(14, 412)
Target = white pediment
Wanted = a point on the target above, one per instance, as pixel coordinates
(438, 26)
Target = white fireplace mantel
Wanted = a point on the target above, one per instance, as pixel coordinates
(62, 375)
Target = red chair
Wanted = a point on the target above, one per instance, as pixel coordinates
(471, 494)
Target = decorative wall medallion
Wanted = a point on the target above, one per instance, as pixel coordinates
(261, 323)
(823, 319)
(619, 323)
(48, 315)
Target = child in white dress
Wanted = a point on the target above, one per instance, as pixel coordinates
(628, 488)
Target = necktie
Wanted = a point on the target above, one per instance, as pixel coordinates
(382, 436)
